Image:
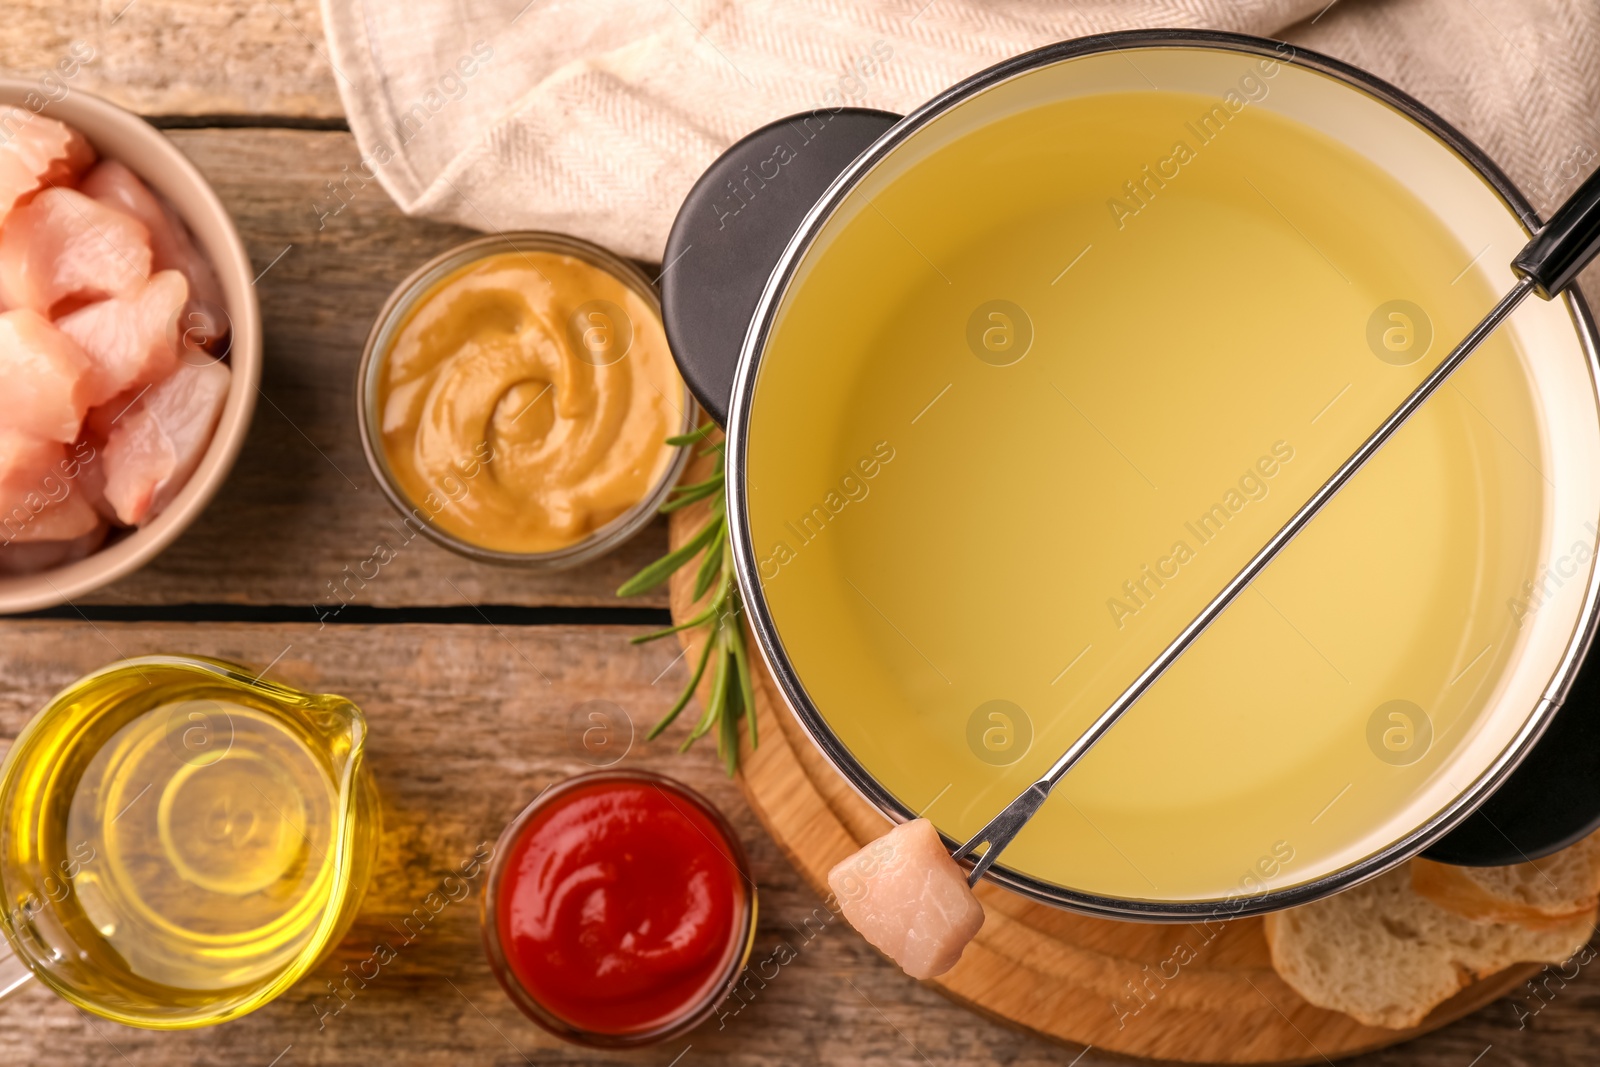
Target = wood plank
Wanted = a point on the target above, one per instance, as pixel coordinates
(464, 732)
(301, 513)
(181, 57)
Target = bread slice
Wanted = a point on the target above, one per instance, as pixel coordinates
(1386, 955)
(1539, 893)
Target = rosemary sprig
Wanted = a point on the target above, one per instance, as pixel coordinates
(732, 692)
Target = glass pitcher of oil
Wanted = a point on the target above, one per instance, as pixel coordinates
(180, 841)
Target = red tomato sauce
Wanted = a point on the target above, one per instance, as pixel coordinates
(621, 908)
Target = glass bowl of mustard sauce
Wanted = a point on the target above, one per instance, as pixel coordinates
(515, 397)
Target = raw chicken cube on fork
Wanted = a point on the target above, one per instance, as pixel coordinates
(35, 152)
(155, 445)
(133, 339)
(909, 899)
(171, 246)
(49, 382)
(62, 250)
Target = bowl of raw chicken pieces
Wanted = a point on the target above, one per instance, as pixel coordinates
(130, 344)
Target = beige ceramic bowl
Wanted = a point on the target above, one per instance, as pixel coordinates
(121, 135)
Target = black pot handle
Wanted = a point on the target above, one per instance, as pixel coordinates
(1565, 244)
(732, 229)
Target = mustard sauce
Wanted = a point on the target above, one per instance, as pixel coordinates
(530, 394)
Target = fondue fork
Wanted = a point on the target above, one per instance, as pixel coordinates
(1547, 265)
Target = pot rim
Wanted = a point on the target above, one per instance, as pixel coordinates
(777, 660)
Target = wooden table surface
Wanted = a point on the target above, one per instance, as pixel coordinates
(470, 676)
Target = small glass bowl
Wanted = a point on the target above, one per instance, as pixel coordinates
(370, 420)
(693, 1014)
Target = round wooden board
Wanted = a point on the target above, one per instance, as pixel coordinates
(1067, 977)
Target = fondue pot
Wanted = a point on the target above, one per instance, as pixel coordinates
(1012, 384)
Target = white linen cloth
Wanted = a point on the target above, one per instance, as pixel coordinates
(594, 117)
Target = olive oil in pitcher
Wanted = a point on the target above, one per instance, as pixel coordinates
(192, 843)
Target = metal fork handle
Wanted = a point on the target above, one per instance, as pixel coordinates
(1005, 826)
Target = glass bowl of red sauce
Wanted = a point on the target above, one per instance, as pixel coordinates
(619, 910)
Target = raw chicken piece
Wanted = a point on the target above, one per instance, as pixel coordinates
(34, 556)
(25, 461)
(102, 417)
(62, 250)
(40, 499)
(90, 472)
(909, 899)
(154, 447)
(97, 427)
(23, 454)
(61, 520)
(35, 152)
(131, 340)
(171, 247)
(49, 382)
